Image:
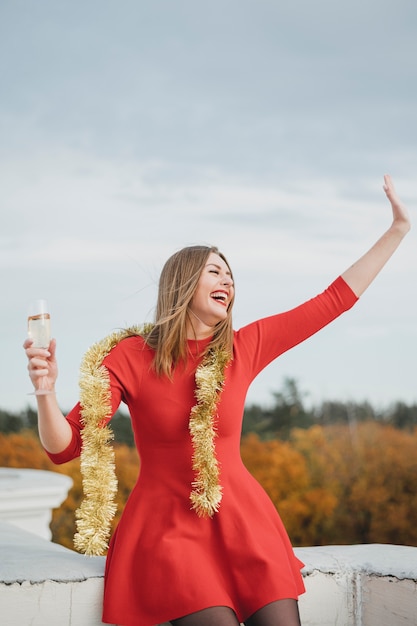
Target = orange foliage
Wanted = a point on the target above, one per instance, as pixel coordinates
(283, 472)
(22, 450)
(331, 484)
(372, 470)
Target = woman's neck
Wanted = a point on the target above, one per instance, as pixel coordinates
(197, 329)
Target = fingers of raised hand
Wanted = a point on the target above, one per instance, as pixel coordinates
(391, 193)
(388, 185)
(387, 179)
(399, 210)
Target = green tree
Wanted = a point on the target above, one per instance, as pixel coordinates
(336, 412)
(402, 415)
(287, 412)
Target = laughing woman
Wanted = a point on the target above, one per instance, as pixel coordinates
(199, 542)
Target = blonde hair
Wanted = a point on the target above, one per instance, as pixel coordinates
(177, 284)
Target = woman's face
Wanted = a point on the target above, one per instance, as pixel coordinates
(212, 296)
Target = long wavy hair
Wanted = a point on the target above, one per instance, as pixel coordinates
(177, 284)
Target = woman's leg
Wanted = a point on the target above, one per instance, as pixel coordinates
(213, 616)
(279, 613)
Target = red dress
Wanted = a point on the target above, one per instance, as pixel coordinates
(164, 561)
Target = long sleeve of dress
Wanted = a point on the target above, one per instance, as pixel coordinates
(266, 339)
(73, 450)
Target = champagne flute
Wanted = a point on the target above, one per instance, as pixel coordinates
(39, 330)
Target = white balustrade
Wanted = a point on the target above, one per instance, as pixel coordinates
(27, 497)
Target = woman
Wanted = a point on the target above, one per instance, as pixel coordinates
(199, 541)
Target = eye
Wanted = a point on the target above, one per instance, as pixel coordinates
(214, 271)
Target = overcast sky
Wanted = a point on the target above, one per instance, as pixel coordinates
(131, 129)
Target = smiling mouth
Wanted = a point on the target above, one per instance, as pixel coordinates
(220, 296)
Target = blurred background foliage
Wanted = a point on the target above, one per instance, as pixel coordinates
(338, 473)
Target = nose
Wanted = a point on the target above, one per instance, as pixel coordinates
(228, 280)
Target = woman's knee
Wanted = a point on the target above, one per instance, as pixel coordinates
(278, 613)
(212, 616)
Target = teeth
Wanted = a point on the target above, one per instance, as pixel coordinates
(218, 295)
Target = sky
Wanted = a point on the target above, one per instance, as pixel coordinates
(131, 129)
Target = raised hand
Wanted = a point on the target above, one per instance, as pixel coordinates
(360, 275)
(401, 218)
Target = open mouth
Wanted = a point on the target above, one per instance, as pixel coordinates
(220, 296)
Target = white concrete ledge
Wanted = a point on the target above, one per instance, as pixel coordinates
(44, 584)
(373, 559)
(28, 558)
(360, 585)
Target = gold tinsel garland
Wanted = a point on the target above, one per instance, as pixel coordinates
(207, 492)
(97, 510)
(97, 455)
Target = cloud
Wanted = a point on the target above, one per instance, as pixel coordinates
(262, 128)
(277, 90)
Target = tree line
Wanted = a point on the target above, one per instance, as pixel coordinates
(288, 411)
(340, 473)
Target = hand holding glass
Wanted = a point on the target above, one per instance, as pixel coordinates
(39, 330)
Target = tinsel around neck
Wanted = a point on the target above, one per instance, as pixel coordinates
(97, 510)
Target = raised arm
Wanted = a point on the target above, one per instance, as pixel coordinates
(54, 431)
(360, 275)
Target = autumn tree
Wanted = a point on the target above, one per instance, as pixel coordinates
(372, 472)
(305, 508)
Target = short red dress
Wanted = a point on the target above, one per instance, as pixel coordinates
(164, 561)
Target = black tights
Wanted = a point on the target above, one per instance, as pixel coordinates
(279, 613)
